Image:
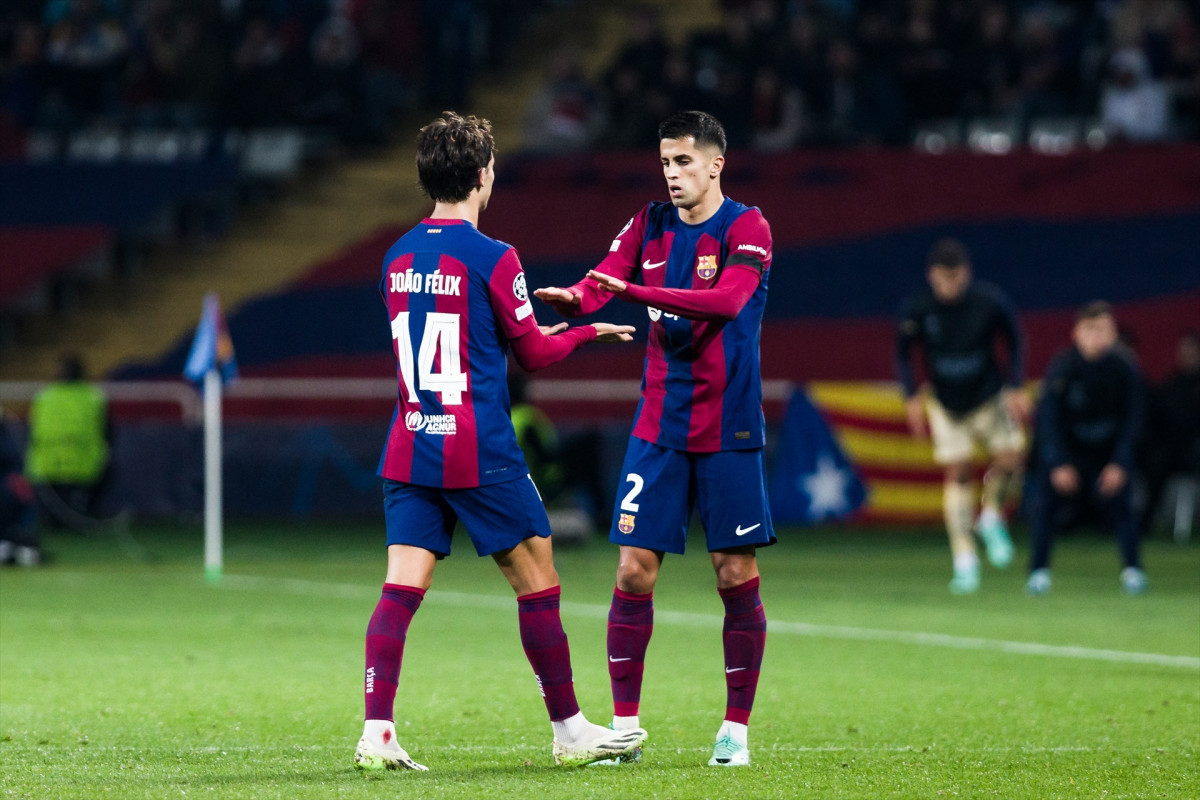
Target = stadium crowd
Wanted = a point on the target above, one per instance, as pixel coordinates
(783, 73)
(349, 65)
(788, 73)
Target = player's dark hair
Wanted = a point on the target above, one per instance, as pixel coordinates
(948, 253)
(704, 128)
(1094, 309)
(450, 152)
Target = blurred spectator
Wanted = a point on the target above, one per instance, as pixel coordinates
(85, 53)
(336, 94)
(566, 114)
(988, 64)
(69, 441)
(179, 67)
(1172, 440)
(23, 76)
(1134, 106)
(391, 56)
(776, 111)
(263, 69)
(926, 64)
(645, 51)
(1182, 74)
(882, 113)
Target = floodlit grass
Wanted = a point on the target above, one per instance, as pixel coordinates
(127, 678)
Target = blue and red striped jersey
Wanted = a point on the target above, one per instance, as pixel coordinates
(455, 298)
(702, 385)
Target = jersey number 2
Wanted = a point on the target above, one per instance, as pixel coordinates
(627, 503)
(440, 341)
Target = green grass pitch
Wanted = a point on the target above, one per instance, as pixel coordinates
(127, 678)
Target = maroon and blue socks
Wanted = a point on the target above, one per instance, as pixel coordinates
(545, 644)
(744, 636)
(630, 623)
(385, 647)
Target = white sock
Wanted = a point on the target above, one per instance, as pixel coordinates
(737, 730)
(965, 561)
(374, 729)
(625, 723)
(989, 515)
(569, 729)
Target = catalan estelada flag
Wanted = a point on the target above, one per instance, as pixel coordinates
(904, 484)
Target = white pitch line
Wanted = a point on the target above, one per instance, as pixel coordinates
(355, 591)
(534, 747)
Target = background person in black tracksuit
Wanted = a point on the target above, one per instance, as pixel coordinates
(967, 332)
(1089, 419)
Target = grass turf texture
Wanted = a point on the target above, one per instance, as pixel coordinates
(132, 679)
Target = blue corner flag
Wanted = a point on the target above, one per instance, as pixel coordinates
(212, 348)
(813, 480)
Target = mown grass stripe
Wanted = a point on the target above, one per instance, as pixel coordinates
(591, 610)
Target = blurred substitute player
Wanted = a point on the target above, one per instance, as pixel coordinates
(457, 302)
(698, 431)
(956, 323)
(1089, 419)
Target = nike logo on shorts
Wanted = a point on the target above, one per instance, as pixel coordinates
(647, 265)
(743, 531)
(617, 660)
(734, 669)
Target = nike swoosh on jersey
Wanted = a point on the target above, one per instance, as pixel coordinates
(616, 660)
(743, 531)
(647, 265)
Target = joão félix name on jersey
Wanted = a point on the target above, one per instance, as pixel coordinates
(418, 283)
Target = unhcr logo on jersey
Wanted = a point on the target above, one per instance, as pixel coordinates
(433, 424)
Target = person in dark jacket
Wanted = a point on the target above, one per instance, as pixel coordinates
(1089, 420)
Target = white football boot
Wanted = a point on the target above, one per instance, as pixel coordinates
(378, 752)
(598, 743)
(729, 753)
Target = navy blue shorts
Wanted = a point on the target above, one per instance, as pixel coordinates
(660, 487)
(497, 517)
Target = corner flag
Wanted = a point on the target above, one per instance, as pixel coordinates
(212, 348)
(813, 480)
(212, 363)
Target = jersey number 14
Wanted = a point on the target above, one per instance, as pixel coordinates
(440, 343)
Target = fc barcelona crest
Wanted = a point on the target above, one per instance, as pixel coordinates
(706, 267)
(625, 523)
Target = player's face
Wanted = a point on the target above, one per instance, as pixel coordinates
(692, 172)
(1096, 336)
(949, 283)
(485, 184)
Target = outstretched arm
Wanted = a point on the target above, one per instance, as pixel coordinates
(723, 301)
(586, 296)
(538, 348)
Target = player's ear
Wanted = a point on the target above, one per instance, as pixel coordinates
(717, 164)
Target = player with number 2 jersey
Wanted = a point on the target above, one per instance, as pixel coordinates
(700, 266)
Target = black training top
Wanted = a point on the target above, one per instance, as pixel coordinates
(1090, 413)
(958, 341)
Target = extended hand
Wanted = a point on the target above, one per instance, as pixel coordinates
(607, 282)
(550, 330)
(555, 294)
(607, 332)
